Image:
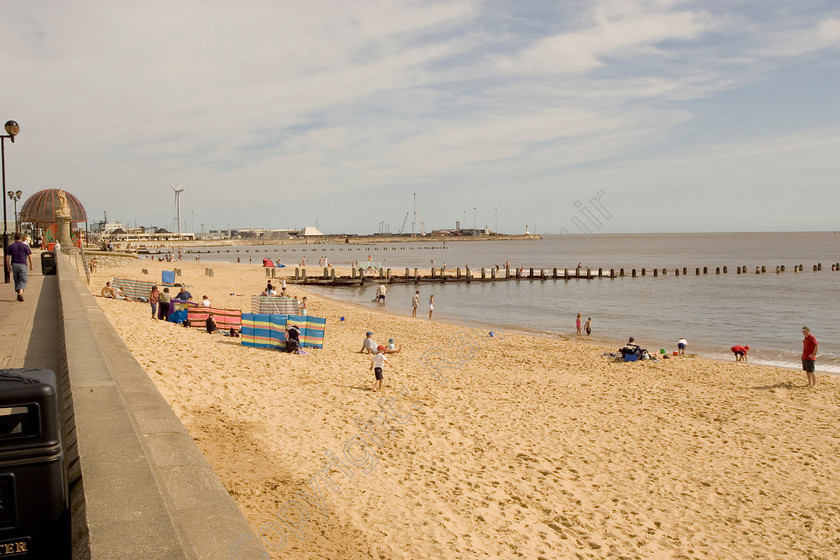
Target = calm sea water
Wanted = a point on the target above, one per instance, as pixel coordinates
(713, 312)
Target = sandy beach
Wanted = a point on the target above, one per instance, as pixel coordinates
(510, 446)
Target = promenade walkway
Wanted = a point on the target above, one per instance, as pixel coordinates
(22, 344)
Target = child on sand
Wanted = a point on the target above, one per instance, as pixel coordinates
(588, 326)
(377, 364)
(681, 344)
(740, 353)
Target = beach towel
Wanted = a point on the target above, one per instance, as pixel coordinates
(260, 330)
(274, 305)
(225, 318)
(167, 277)
(135, 289)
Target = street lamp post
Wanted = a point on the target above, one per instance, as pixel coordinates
(15, 196)
(12, 129)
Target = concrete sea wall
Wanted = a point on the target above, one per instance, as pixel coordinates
(147, 490)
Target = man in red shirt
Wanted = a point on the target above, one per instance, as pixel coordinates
(809, 355)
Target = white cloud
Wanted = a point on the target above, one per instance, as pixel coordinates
(614, 28)
(799, 41)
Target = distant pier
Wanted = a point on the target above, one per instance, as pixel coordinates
(329, 277)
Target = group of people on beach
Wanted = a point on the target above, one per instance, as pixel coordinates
(810, 349)
(382, 293)
(585, 327)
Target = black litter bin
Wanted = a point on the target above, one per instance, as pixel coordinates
(48, 263)
(34, 495)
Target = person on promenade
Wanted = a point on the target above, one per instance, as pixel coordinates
(810, 347)
(210, 323)
(588, 326)
(154, 298)
(16, 257)
(377, 364)
(431, 305)
(740, 353)
(578, 325)
(165, 299)
(681, 344)
(57, 247)
(415, 303)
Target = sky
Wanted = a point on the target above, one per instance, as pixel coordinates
(617, 116)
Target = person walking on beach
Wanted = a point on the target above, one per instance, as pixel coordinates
(578, 325)
(810, 347)
(377, 364)
(681, 344)
(588, 326)
(17, 256)
(154, 298)
(415, 303)
(740, 353)
(165, 299)
(431, 305)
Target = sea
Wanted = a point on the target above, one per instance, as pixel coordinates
(712, 311)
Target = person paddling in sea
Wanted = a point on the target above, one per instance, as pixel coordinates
(740, 353)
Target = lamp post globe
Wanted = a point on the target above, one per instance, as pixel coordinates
(12, 130)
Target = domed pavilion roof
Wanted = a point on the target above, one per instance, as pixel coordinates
(40, 208)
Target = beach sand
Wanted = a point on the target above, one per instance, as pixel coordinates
(512, 446)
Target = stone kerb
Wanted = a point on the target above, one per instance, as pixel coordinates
(148, 490)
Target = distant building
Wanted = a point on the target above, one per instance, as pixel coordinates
(310, 231)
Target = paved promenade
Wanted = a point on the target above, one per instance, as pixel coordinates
(29, 329)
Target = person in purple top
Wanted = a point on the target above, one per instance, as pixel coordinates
(16, 258)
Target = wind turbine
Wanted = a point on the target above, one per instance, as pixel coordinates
(178, 190)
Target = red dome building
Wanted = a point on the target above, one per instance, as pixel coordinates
(39, 209)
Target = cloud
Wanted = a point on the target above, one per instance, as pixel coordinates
(800, 41)
(613, 28)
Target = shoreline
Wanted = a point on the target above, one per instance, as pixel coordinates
(606, 343)
(533, 446)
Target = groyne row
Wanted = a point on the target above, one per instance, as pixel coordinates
(329, 276)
